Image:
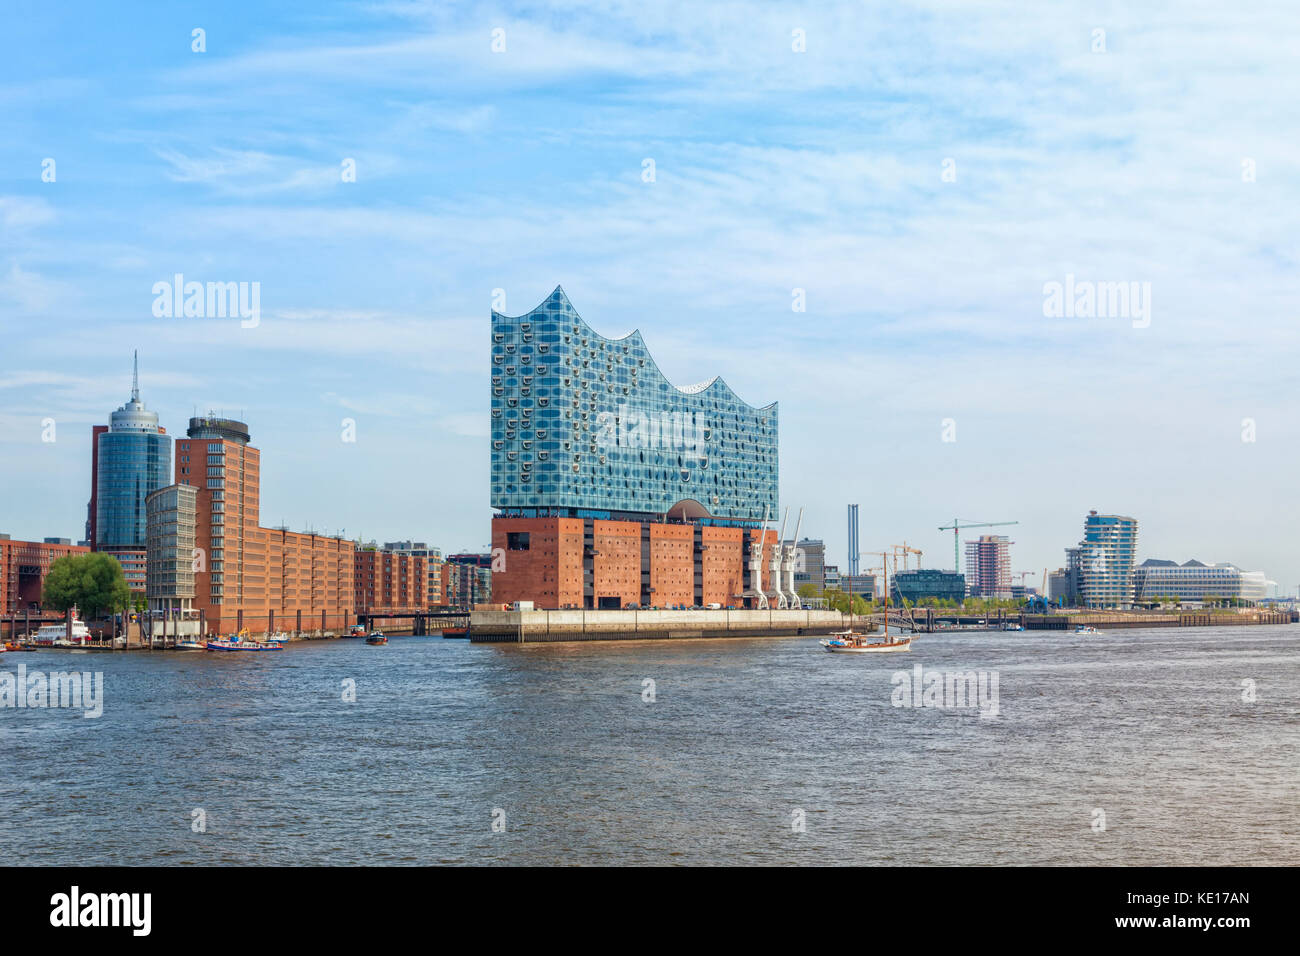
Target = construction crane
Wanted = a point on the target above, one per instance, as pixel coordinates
(956, 527)
(904, 551)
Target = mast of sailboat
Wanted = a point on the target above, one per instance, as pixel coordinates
(884, 566)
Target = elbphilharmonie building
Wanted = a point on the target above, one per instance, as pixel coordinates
(585, 422)
(616, 488)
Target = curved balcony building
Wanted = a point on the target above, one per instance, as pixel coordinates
(616, 488)
(582, 422)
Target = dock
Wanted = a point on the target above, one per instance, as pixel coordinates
(929, 620)
(541, 626)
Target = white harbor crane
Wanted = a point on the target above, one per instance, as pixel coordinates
(789, 554)
(755, 590)
(774, 566)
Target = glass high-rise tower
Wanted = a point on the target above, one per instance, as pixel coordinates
(132, 459)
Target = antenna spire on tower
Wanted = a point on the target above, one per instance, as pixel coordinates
(135, 375)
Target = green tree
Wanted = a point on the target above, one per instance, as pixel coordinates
(93, 583)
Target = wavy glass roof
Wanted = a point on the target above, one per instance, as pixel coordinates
(583, 421)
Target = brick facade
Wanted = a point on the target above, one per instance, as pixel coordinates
(263, 579)
(23, 566)
(592, 563)
(386, 581)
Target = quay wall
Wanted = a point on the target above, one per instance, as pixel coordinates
(549, 626)
(1103, 620)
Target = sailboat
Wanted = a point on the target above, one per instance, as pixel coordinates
(851, 642)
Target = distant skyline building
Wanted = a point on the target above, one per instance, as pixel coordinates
(832, 577)
(1193, 581)
(988, 566)
(1055, 587)
(130, 459)
(1106, 557)
(390, 580)
(469, 580)
(859, 585)
(925, 583)
(436, 567)
(810, 562)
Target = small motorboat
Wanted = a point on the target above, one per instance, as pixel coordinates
(191, 645)
(279, 637)
(851, 642)
(455, 632)
(1013, 627)
(1086, 629)
(376, 638)
(356, 630)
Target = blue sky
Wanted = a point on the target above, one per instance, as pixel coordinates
(775, 170)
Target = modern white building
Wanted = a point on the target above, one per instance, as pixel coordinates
(1193, 582)
(1106, 558)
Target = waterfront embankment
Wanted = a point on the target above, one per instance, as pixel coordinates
(1126, 619)
(579, 625)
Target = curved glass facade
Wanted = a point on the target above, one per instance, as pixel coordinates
(131, 466)
(581, 421)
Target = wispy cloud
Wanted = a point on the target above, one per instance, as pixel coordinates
(775, 170)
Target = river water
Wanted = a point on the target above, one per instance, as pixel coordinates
(1127, 747)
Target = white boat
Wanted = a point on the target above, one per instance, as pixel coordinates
(191, 645)
(850, 642)
(1013, 627)
(56, 635)
(279, 637)
(240, 642)
(1086, 629)
(235, 644)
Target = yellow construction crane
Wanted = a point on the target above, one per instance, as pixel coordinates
(904, 550)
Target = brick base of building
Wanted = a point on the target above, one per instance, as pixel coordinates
(596, 563)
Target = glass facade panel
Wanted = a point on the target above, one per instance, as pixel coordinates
(131, 466)
(591, 423)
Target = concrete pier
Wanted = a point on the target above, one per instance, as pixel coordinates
(543, 626)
